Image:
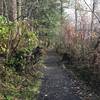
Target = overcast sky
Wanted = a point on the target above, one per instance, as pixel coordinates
(71, 11)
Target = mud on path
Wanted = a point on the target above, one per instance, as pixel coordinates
(60, 84)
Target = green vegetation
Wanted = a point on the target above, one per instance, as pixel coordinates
(18, 75)
(20, 67)
(26, 25)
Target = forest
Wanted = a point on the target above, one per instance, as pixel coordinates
(47, 46)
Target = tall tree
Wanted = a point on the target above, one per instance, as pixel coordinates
(76, 15)
(14, 9)
(1, 7)
(92, 18)
(19, 4)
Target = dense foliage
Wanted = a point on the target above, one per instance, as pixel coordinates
(33, 26)
(26, 25)
(16, 67)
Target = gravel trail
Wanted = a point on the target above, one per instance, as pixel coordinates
(58, 84)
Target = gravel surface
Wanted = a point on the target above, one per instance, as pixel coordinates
(61, 84)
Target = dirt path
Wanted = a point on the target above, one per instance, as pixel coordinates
(57, 84)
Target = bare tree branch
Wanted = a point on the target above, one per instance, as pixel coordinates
(92, 11)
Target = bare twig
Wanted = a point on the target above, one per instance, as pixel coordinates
(92, 11)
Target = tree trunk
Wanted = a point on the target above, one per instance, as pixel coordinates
(1, 7)
(12, 14)
(19, 14)
(19, 8)
(14, 9)
(92, 18)
(75, 15)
